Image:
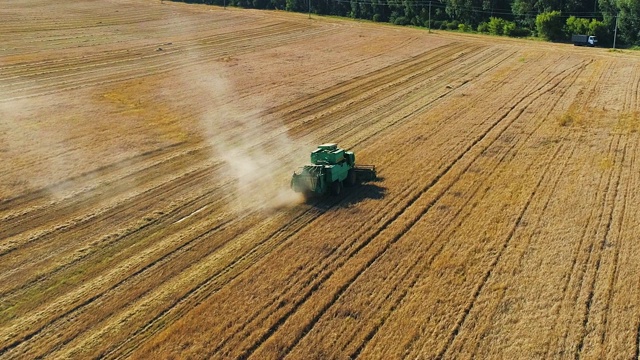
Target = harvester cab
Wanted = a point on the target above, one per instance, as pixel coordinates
(331, 169)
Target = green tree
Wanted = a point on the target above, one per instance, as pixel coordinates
(464, 11)
(601, 31)
(524, 12)
(629, 21)
(509, 28)
(526, 16)
(295, 5)
(550, 25)
(577, 26)
(496, 26)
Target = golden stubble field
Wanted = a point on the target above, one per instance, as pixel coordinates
(147, 146)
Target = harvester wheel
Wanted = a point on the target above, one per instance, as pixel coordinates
(307, 195)
(336, 188)
(351, 178)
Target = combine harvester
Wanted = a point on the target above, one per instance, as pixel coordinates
(330, 170)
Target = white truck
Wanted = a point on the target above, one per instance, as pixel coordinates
(584, 40)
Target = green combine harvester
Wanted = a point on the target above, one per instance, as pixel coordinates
(330, 170)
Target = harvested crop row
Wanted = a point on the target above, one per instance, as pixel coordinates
(255, 293)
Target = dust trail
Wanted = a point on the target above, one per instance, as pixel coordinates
(258, 154)
(32, 148)
(55, 142)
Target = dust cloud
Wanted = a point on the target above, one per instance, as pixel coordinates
(53, 143)
(32, 148)
(258, 154)
(46, 142)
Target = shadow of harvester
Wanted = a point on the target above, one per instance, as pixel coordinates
(351, 195)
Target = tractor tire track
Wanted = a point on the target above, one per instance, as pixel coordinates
(593, 85)
(376, 328)
(620, 230)
(35, 218)
(577, 266)
(553, 187)
(343, 288)
(600, 246)
(459, 158)
(572, 76)
(510, 150)
(85, 232)
(601, 196)
(345, 92)
(589, 231)
(359, 129)
(176, 309)
(487, 275)
(459, 219)
(140, 272)
(134, 70)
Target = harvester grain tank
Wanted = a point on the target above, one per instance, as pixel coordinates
(331, 169)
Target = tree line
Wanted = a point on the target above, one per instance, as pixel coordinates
(554, 20)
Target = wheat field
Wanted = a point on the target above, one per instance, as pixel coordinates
(145, 209)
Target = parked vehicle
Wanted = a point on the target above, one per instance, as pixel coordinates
(584, 40)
